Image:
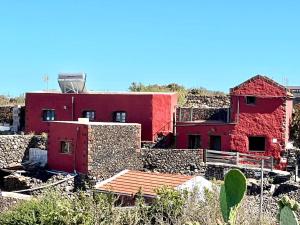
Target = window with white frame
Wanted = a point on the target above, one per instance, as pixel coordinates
(90, 114)
(119, 116)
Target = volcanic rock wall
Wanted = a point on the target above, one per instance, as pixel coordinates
(172, 160)
(14, 148)
(202, 101)
(113, 148)
(196, 114)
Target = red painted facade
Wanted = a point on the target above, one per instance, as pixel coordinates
(77, 134)
(268, 117)
(154, 111)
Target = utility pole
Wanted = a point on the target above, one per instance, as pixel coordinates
(46, 80)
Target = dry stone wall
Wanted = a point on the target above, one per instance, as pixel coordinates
(202, 101)
(113, 148)
(14, 148)
(6, 114)
(173, 160)
(196, 114)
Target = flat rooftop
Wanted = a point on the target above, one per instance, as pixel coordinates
(97, 123)
(104, 93)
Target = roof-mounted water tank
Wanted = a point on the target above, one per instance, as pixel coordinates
(72, 82)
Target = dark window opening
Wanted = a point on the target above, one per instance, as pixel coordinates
(48, 115)
(250, 100)
(66, 147)
(119, 117)
(91, 115)
(194, 141)
(215, 142)
(257, 143)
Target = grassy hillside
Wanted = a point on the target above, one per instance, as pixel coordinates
(173, 87)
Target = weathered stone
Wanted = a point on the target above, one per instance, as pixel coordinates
(14, 149)
(112, 149)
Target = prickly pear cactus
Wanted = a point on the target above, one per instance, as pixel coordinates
(232, 193)
(287, 208)
(288, 217)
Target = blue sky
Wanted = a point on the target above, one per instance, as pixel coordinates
(213, 44)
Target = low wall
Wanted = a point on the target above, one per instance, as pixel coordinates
(173, 160)
(186, 161)
(14, 148)
(194, 114)
(6, 114)
(202, 101)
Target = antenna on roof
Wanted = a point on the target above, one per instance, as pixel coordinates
(285, 81)
(46, 80)
(72, 83)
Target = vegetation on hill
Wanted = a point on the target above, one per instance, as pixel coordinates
(6, 100)
(173, 87)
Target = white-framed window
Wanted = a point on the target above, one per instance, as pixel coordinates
(48, 115)
(119, 116)
(90, 114)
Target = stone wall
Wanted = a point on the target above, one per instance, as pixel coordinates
(186, 161)
(113, 148)
(7, 117)
(173, 160)
(194, 114)
(202, 101)
(14, 148)
(6, 114)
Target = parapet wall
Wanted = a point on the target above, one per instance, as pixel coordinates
(14, 148)
(196, 114)
(202, 101)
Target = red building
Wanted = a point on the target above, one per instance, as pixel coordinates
(154, 111)
(258, 121)
(95, 148)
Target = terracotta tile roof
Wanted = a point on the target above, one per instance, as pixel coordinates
(129, 182)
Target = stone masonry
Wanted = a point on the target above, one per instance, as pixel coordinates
(14, 148)
(203, 101)
(113, 148)
(196, 114)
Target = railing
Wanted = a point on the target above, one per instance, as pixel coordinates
(237, 159)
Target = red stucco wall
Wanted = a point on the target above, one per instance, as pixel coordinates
(140, 108)
(77, 134)
(269, 117)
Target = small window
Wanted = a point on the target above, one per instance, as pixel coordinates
(119, 117)
(48, 115)
(91, 115)
(66, 147)
(194, 141)
(257, 143)
(250, 100)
